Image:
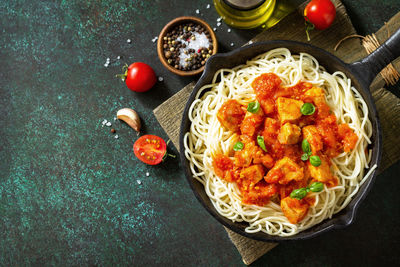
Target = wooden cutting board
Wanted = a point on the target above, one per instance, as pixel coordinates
(169, 113)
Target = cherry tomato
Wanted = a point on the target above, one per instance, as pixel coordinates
(320, 13)
(150, 149)
(140, 77)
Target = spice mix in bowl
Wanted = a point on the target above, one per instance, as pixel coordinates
(185, 44)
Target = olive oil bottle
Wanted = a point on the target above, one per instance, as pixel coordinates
(250, 14)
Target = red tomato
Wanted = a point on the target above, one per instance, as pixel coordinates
(150, 149)
(321, 13)
(140, 77)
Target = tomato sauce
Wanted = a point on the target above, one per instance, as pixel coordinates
(274, 172)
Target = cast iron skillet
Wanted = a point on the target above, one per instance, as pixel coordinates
(361, 74)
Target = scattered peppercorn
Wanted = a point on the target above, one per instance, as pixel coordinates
(113, 130)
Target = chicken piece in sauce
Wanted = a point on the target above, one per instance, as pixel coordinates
(311, 134)
(231, 115)
(289, 134)
(284, 171)
(294, 209)
(322, 173)
(288, 109)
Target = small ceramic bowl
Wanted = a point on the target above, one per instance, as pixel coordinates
(168, 28)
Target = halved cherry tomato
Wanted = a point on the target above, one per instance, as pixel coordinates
(150, 149)
(320, 13)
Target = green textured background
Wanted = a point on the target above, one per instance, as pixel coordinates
(68, 189)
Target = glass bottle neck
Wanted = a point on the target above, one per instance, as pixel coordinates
(244, 4)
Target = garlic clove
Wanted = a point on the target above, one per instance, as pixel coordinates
(130, 117)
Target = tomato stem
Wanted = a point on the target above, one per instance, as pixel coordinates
(309, 27)
(125, 70)
(166, 155)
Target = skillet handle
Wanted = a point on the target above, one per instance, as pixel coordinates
(368, 67)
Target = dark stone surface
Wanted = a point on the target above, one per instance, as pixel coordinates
(68, 189)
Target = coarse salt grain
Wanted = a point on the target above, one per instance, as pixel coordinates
(128, 41)
(108, 124)
(229, 30)
(208, 6)
(218, 24)
(115, 118)
(197, 11)
(250, 42)
(138, 181)
(147, 174)
(116, 136)
(219, 19)
(215, 29)
(106, 65)
(232, 44)
(119, 57)
(201, 40)
(160, 79)
(103, 123)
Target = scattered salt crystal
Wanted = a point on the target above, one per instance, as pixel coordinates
(160, 79)
(229, 30)
(108, 124)
(197, 11)
(250, 42)
(154, 39)
(208, 6)
(219, 19)
(138, 181)
(147, 174)
(215, 29)
(106, 65)
(128, 41)
(103, 123)
(199, 42)
(232, 44)
(116, 136)
(218, 24)
(108, 59)
(115, 118)
(119, 57)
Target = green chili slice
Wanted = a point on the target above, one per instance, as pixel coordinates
(260, 142)
(315, 161)
(238, 146)
(307, 109)
(253, 107)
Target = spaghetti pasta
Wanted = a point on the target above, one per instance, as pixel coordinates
(207, 138)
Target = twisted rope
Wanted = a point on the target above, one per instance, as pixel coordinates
(371, 43)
